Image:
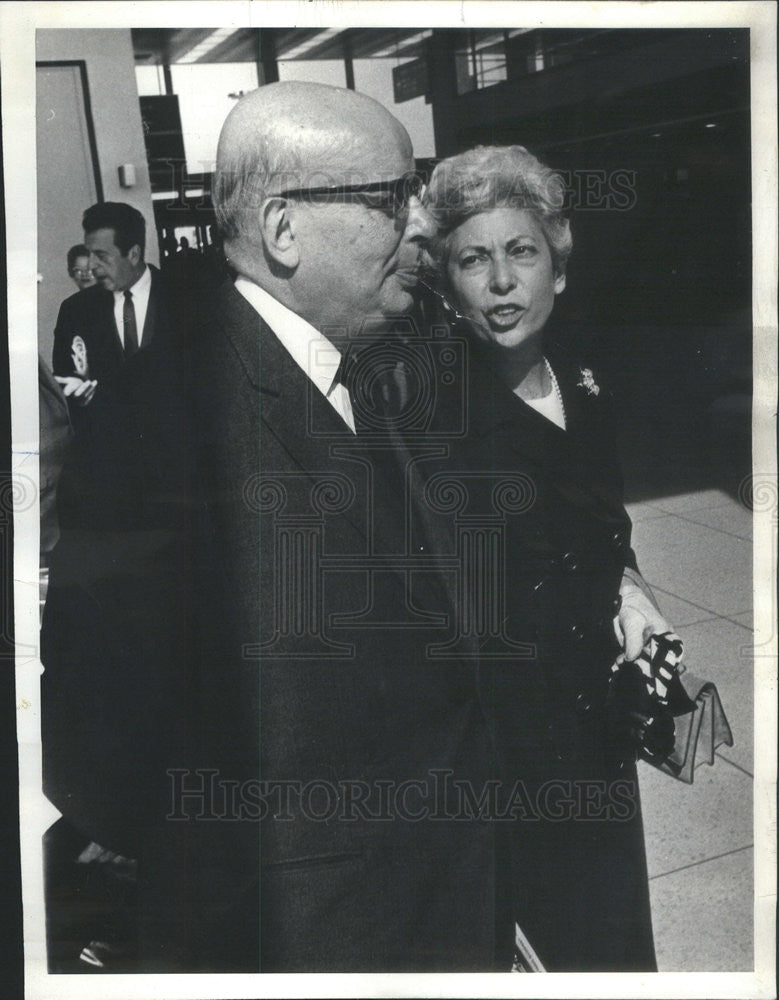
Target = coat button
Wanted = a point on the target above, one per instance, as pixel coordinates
(570, 561)
(577, 633)
(618, 539)
(616, 604)
(583, 704)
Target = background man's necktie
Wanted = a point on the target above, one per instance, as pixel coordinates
(130, 328)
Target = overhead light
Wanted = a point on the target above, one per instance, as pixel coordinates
(711, 124)
(300, 50)
(208, 44)
(164, 195)
(391, 50)
(656, 135)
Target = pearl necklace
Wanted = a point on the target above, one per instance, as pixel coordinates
(556, 390)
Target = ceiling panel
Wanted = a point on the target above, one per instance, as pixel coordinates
(155, 46)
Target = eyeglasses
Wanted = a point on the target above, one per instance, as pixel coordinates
(392, 196)
(80, 272)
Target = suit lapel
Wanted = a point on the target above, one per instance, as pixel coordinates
(579, 407)
(316, 438)
(150, 323)
(568, 456)
(107, 322)
(495, 409)
(291, 408)
(594, 466)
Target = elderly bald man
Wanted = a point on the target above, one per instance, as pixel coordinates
(317, 203)
(264, 728)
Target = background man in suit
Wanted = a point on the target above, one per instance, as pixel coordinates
(100, 326)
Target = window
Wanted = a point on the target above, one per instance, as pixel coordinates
(480, 61)
(150, 81)
(484, 58)
(207, 93)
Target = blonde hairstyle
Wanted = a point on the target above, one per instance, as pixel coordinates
(489, 177)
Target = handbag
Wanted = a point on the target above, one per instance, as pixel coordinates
(653, 715)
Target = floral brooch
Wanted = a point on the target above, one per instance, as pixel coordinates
(587, 382)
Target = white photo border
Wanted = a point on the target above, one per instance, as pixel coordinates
(18, 23)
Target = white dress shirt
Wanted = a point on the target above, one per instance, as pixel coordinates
(141, 291)
(309, 349)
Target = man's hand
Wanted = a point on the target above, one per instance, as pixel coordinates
(639, 616)
(78, 389)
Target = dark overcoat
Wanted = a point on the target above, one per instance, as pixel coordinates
(237, 684)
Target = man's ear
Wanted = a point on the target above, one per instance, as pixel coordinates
(278, 231)
(134, 255)
(559, 283)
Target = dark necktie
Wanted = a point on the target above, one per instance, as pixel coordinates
(344, 376)
(378, 392)
(130, 329)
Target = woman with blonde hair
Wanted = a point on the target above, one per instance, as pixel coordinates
(571, 588)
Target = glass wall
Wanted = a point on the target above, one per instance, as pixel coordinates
(206, 93)
(374, 78)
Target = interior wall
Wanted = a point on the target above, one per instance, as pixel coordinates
(116, 115)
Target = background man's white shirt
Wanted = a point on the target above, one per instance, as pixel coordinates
(141, 291)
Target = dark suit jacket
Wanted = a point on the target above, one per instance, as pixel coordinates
(231, 609)
(90, 315)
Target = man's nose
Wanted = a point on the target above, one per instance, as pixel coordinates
(502, 278)
(419, 225)
(93, 262)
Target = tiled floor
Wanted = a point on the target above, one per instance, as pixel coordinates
(696, 552)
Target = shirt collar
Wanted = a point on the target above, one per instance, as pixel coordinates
(141, 285)
(311, 350)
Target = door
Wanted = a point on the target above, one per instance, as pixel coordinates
(68, 182)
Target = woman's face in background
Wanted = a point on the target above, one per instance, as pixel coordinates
(500, 271)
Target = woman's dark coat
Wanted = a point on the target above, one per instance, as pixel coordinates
(563, 536)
